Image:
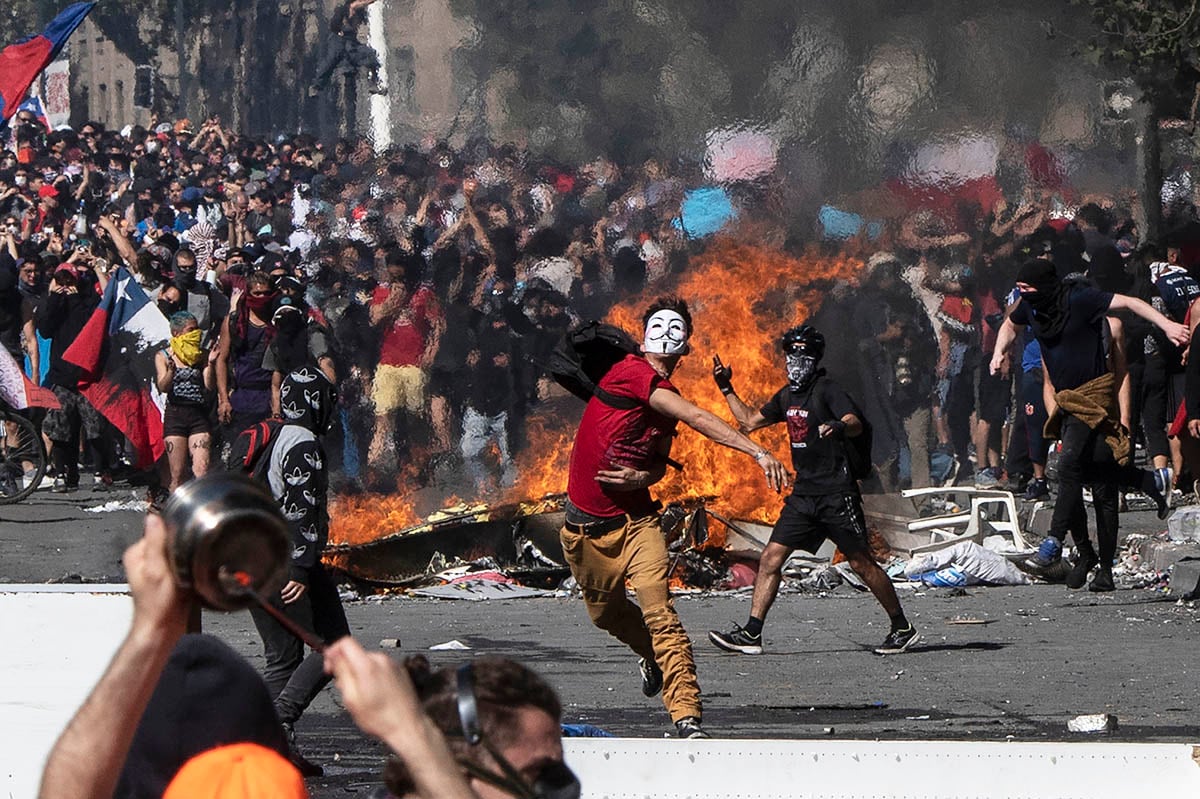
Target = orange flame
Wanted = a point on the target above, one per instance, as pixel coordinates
(742, 296)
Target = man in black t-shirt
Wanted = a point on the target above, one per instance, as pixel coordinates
(1082, 398)
(825, 502)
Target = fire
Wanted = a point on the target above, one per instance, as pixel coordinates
(742, 296)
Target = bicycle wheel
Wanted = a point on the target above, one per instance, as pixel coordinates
(22, 458)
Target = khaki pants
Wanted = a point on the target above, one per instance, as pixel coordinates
(637, 552)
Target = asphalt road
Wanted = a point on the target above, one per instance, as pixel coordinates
(1037, 656)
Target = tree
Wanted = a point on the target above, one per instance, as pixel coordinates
(1158, 43)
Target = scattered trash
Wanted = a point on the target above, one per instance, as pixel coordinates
(114, 505)
(964, 563)
(968, 620)
(1184, 524)
(450, 646)
(479, 589)
(584, 731)
(389, 643)
(1095, 722)
(827, 730)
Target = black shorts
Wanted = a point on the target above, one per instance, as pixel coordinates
(806, 522)
(186, 420)
(995, 393)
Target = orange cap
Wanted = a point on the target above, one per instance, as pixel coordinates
(237, 771)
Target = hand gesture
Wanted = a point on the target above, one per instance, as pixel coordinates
(623, 478)
(722, 375)
(777, 476)
(375, 690)
(1177, 333)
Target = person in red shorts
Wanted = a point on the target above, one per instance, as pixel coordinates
(612, 536)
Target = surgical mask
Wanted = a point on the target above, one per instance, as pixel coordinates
(74, 169)
(666, 334)
(20, 180)
(800, 369)
(152, 146)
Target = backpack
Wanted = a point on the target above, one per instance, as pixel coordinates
(858, 449)
(250, 452)
(584, 356)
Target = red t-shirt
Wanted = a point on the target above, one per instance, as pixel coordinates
(611, 437)
(402, 342)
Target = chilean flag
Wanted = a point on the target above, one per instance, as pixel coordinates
(22, 62)
(33, 105)
(116, 350)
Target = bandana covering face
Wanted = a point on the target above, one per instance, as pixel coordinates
(1049, 298)
(666, 334)
(186, 347)
(800, 369)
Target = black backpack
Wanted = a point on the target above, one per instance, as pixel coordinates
(249, 452)
(858, 449)
(584, 356)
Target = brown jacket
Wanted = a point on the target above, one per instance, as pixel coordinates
(1095, 404)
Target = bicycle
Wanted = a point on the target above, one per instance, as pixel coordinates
(22, 455)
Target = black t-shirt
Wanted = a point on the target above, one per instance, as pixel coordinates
(1077, 354)
(820, 463)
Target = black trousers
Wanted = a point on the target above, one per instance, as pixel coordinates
(294, 680)
(1086, 458)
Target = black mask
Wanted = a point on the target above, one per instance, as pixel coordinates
(185, 279)
(167, 307)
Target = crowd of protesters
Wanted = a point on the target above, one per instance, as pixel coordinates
(430, 283)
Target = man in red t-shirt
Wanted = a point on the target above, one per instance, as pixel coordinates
(612, 534)
(409, 324)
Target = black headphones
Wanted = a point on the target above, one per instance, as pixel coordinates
(555, 781)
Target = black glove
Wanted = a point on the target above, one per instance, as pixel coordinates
(722, 375)
(837, 428)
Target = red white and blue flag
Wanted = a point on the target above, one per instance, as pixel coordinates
(18, 391)
(22, 62)
(116, 350)
(33, 104)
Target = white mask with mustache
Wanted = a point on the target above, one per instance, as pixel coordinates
(666, 334)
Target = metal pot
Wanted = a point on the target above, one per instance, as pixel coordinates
(225, 533)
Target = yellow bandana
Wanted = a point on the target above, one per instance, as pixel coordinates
(187, 347)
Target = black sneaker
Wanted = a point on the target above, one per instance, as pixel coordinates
(652, 678)
(690, 728)
(306, 767)
(1102, 582)
(1079, 571)
(898, 641)
(1036, 489)
(738, 640)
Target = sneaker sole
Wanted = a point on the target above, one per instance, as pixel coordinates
(728, 647)
(896, 650)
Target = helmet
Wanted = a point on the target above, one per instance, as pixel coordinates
(803, 340)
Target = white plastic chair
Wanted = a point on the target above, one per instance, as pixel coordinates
(991, 512)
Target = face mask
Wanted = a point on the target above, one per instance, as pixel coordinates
(260, 303)
(167, 307)
(186, 347)
(185, 278)
(800, 369)
(74, 169)
(151, 147)
(20, 180)
(666, 334)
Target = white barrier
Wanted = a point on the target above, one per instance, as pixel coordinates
(616, 768)
(58, 639)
